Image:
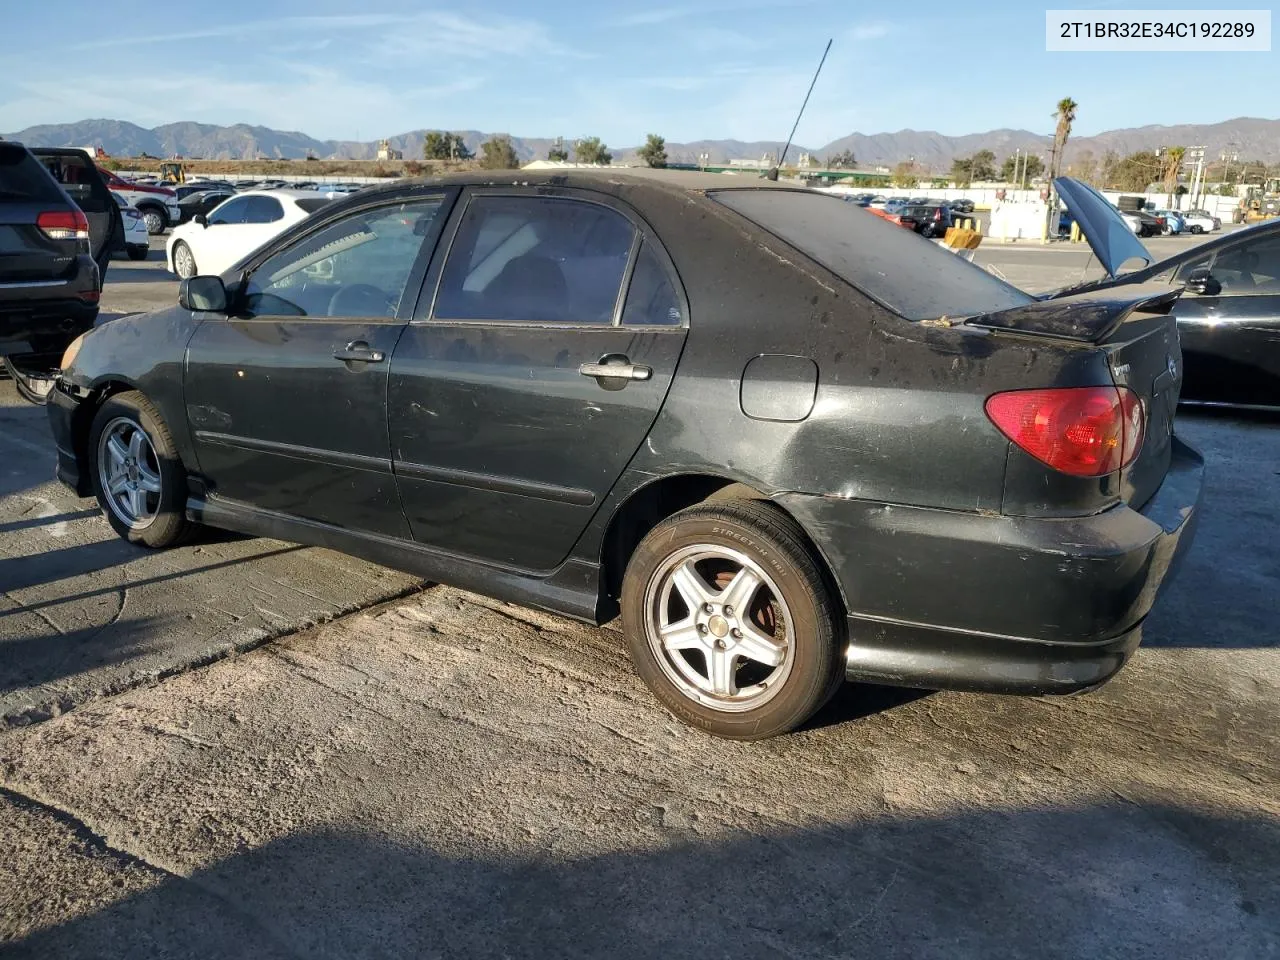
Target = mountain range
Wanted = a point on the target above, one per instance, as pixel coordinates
(1247, 137)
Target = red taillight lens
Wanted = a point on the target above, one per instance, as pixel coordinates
(937, 214)
(1083, 431)
(63, 225)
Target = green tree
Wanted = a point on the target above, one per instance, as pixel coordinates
(844, 160)
(962, 171)
(1134, 172)
(654, 151)
(1066, 115)
(906, 174)
(592, 150)
(1012, 168)
(557, 152)
(983, 165)
(497, 153)
(444, 146)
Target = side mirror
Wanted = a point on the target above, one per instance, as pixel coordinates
(1201, 281)
(201, 219)
(203, 294)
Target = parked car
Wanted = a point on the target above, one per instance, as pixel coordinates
(50, 280)
(1201, 221)
(928, 220)
(157, 204)
(137, 239)
(878, 202)
(961, 206)
(635, 391)
(1229, 313)
(1172, 221)
(235, 228)
(203, 203)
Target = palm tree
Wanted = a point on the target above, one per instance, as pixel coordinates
(1172, 164)
(1066, 114)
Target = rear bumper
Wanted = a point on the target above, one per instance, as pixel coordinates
(45, 315)
(947, 600)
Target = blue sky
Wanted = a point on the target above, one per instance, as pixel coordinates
(691, 70)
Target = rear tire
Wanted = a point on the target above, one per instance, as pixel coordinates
(137, 475)
(745, 672)
(1196, 229)
(155, 222)
(184, 261)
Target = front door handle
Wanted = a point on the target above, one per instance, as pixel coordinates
(615, 366)
(357, 351)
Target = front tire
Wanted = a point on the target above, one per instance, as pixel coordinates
(730, 621)
(184, 261)
(137, 474)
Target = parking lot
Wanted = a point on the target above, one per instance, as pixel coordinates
(242, 748)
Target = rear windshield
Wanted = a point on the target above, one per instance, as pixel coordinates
(910, 275)
(23, 177)
(311, 206)
(80, 178)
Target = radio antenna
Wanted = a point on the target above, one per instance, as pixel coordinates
(773, 171)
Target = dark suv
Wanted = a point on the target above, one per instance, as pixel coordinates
(927, 219)
(49, 280)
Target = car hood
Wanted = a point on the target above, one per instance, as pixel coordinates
(1112, 241)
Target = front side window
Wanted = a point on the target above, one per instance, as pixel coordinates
(538, 259)
(355, 267)
(1242, 270)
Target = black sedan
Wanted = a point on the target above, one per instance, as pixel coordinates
(1229, 313)
(731, 412)
(202, 202)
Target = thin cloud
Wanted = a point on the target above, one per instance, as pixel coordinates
(869, 31)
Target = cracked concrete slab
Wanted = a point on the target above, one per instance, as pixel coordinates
(84, 614)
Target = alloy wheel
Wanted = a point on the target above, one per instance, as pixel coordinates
(129, 473)
(719, 627)
(184, 264)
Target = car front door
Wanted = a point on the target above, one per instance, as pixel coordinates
(287, 396)
(1231, 331)
(540, 354)
(224, 239)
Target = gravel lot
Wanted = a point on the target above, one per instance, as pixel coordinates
(443, 775)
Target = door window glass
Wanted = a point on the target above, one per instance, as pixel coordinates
(263, 210)
(355, 267)
(539, 259)
(233, 211)
(651, 297)
(1242, 270)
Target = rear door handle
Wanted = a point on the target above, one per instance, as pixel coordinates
(620, 369)
(358, 351)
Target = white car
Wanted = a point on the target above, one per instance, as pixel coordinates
(1132, 222)
(235, 228)
(158, 205)
(1200, 221)
(137, 238)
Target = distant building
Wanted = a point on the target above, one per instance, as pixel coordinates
(388, 152)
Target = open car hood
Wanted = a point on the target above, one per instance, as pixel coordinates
(1112, 241)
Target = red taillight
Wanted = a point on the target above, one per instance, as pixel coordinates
(63, 225)
(937, 214)
(1083, 431)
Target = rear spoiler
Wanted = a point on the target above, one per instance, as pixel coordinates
(1087, 317)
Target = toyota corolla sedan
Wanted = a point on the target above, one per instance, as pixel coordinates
(788, 442)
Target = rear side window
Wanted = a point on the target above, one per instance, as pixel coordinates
(914, 277)
(651, 297)
(264, 210)
(22, 177)
(540, 259)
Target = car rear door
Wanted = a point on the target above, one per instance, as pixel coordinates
(80, 178)
(287, 396)
(1231, 332)
(527, 380)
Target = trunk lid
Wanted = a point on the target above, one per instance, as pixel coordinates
(26, 191)
(1139, 336)
(1110, 238)
(84, 184)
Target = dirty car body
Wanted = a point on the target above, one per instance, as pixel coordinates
(772, 345)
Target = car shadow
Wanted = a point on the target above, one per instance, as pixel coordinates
(117, 273)
(1045, 882)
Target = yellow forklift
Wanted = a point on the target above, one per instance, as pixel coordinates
(173, 172)
(1261, 202)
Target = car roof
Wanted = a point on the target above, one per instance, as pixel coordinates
(281, 194)
(608, 178)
